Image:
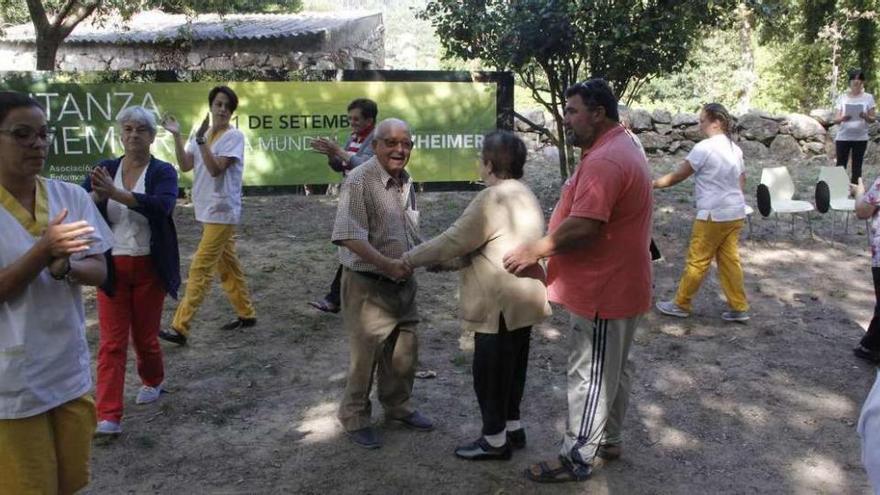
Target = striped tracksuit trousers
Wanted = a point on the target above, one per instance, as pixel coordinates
(599, 375)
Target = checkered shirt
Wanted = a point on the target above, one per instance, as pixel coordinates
(376, 208)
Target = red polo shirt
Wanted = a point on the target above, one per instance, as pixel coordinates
(610, 278)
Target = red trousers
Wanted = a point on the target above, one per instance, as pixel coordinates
(136, 308)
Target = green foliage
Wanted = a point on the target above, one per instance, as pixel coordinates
(226, 6)
(552, 44)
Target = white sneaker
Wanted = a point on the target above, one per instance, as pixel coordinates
(738, 316)
(147, 394)
(672, 309)
(107, 428)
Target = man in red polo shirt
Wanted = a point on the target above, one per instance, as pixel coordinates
(599, 269)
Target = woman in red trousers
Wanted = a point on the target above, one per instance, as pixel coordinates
(136, 194)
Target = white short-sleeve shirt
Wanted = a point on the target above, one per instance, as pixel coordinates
(44, 358)
(131, 230)
(718, 164)
(855, 129)
(218, 199)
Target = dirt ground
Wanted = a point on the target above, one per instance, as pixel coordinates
(766, 407)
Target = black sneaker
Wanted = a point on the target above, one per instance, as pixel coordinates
(367, 438)
(517, 438)
(480, 450)
(172, 336)
(239, 323)
(867, 354)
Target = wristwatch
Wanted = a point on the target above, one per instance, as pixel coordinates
(62, 276)
(201, 140)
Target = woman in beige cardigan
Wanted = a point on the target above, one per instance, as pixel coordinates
(498, 306)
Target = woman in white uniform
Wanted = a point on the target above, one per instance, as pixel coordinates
(52, 243)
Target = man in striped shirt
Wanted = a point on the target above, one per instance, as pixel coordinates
(358, 149)
(599, 269)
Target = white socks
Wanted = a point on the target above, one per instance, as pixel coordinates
(514, 425)
(498, 439)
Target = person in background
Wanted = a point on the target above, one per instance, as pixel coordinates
(52, 243)
(719, 176)
(854, 110)
(358, 149)
(499, 307)
(216, 153)
(136, 194)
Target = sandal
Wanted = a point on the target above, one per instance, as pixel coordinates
(325, 306)
(566, 471)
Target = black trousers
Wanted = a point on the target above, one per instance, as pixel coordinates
(871, 340)
(843, 149)
(333, 295)
(500, 363)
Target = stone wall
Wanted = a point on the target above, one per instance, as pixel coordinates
(366, 53)
(760, 135)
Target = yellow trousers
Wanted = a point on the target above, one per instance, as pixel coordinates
(48, 453)
(216, 252)
(716, 240)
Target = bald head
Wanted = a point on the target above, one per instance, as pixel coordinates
(388, 125)
(393, 145)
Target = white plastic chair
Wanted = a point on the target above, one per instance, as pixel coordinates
(749, 211)
(838, 187)
(781, 187)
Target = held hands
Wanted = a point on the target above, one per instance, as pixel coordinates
(397, 270)
(63, 239)
(102, 183)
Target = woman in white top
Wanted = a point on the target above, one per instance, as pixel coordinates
(136, 193)
(52, 242)
(719, 176)
(854, 110)
(216, 154)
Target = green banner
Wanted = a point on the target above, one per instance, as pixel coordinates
(279, 120)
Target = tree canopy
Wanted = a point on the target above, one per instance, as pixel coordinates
(551, 44)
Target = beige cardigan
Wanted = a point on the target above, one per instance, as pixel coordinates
(499, 219)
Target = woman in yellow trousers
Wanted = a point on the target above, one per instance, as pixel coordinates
(719, 176)
(216, 155)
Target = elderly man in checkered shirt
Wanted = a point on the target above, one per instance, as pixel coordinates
(376, 222)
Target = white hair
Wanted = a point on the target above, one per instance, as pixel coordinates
(138, 115)
(386, 125)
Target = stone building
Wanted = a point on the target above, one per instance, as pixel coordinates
(154, 40)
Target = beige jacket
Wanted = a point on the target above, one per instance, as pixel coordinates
(499, 219)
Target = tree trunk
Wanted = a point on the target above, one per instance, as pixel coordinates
(47, 50)
(747, 59)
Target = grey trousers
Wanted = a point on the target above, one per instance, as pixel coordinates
(380, 318)
(599, 374)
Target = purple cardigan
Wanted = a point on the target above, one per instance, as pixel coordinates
(157, 204)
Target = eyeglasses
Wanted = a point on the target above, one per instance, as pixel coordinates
(393, 143)
(27, 136)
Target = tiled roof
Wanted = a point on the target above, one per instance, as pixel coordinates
(155, 27)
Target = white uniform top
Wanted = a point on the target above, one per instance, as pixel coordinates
(869, 430)
(44, 358)
(717, 164)
(855, 129)
(218, 199)
(131, 230)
